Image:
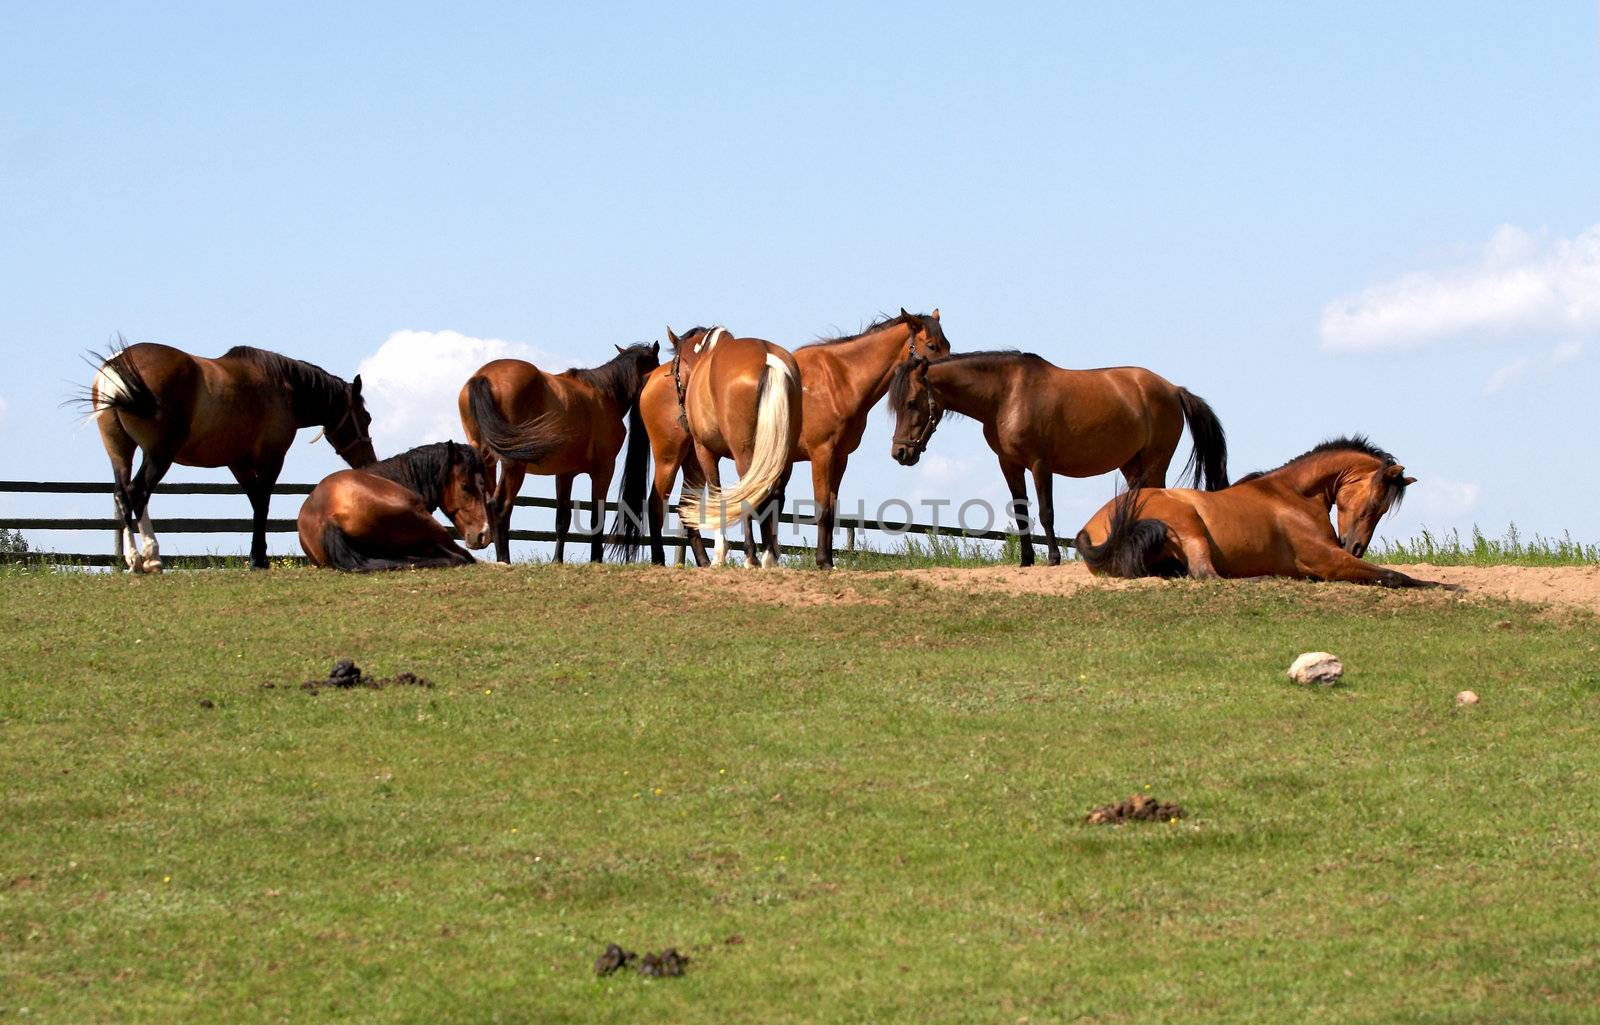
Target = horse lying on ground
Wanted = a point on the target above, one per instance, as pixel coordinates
(1268, 524)
(530, 421)
(240, 410)
(381, 516)
(1039, 417)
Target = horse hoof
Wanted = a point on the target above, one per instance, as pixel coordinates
(152, 565)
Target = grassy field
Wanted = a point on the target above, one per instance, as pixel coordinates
(861, 803)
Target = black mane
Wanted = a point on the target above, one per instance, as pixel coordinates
(618, 378)
(990, 359)
(317, 393)
(877, 325)
(1357, 443)
(425, 468)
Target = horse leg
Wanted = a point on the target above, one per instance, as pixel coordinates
(505, 499)
(749, 524)
(563, 513)
(772, 521)
(693, 478)
(1147, 469)
(600, 479)
(1044, 483)
(120, 448)
(152, 468)
(712, 477)
(258, 482)
(825, 475)
(660, 488)
(1018, 486)
(1330, 562)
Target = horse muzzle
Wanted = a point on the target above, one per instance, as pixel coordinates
(476, 539)
(906, 455)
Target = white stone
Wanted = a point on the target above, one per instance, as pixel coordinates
(1316, 667)
(1467, 697)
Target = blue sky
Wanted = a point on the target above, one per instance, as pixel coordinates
(1358, 217)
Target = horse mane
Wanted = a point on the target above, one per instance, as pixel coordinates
(425, 468)
(882, 322)
(1359, 444)
(619, 377)
(315, 390)
(684, 336)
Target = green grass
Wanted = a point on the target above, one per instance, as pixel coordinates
(883, 801)
(1510, 550)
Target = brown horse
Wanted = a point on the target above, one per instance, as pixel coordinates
(742, 401)
(843, 379)
(381, 516)
(240, 410)
(1041, 418)
(528, 421)
(666, 424)
(1268, 524)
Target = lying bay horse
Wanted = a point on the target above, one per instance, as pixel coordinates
(1041, 418)
(1268, 524)
(240, 410)
(381, 516)
(561, 425)
(843, 379)
(742, 401)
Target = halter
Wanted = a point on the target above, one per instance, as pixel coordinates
(935, 414)
(707, 342)
(339, 450)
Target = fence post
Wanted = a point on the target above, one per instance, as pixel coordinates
(850, 539)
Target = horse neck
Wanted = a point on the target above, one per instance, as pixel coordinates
(1317, 478)
(318, 401)
(869, 362)
(406, 473)
(612, 383)
(966, 390)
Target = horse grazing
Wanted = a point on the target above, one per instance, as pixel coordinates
(381, 516)
(1268, 524)
(844, 378)
(240, 410)
(527, 421)
(742, 401)
(1039, 417)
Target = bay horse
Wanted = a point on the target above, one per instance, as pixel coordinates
(1268, 524)
(742, 401)
(1042, 418)
(239, 410)
(381, 516)
(667, 426)
(525, 420)
(843, 378)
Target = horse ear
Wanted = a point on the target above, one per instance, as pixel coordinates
(655, 348)
(935, 313)
(672, 337)
(618, 348)
(913, 321)
(355, 387)
(1394, 471)
(451, 450)
(1410, 481)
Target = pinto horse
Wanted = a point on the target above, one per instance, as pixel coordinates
(240, 410)
(1039, 417)
(381, 516)
(1268, 524)
(742, 401)
(561, 425)
(843, 379)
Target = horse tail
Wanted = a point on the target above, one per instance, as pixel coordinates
(778, 394)
(1208, 461)
(339, 552)
(1132, 546)
(531, 441)
(118, 385)
(629, 524)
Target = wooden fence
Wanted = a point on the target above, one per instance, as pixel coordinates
(851, 525)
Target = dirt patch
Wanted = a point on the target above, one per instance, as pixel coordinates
(1135, 808)
(346, 675)
(667, 964)
(791, 588)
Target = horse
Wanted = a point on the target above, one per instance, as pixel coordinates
(239, 410)
(667, 426)
(1268, 524)
(1042, 418)
(525, 420)
(742, 401)
(381, 516)
(843, 379)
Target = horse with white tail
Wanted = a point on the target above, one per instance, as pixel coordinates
(742, 401)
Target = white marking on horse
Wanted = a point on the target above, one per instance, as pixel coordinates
(709, 340)
(108, 387)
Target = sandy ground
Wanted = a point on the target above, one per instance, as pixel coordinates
(1573, 586)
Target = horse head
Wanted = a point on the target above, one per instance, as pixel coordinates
(465, 496)
(350, 433)
(1366, 494)
(916, 411)
(927, 335)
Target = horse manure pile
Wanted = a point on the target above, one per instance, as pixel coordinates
(667, 964)
(1136, 808)
(346, 675)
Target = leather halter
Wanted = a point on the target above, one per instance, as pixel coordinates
(339, 450)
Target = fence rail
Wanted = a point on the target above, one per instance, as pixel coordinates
(243, 525)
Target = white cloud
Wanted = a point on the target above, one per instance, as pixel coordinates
(411, 383)
(1518, 368)
(1520, 287)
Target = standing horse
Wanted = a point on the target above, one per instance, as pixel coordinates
(843, 379)
(742, 401)
(666, 424)
(564, 424)
(381, 516)
(1268, 524)
(240, 410)
(1039, 417)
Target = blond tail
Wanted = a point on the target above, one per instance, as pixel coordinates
(774, 414)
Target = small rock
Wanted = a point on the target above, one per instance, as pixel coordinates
(207, 703)
(614, 957)
(1465, 698)
(1316, 667)
(667, 964)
